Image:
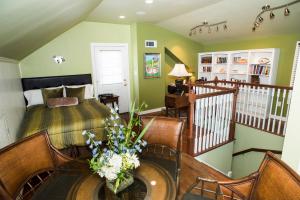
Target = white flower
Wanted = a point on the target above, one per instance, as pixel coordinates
(112, 168)
(115, 161)
(84, 132)
(110, 173)
(133, 159)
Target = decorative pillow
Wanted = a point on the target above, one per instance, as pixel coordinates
(89, 91)
(76, 92)
(64, 101)
(34, 97)
(51, 93)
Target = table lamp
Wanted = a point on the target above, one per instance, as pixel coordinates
(179, 71)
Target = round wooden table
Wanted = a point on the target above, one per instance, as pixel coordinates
(159, 184)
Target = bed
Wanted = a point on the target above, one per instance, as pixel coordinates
(64, 124)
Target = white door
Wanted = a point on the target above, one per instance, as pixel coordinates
(111, 72)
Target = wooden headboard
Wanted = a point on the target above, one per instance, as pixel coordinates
(55, 81)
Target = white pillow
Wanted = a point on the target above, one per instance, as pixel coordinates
(35, 97)
(88, 91)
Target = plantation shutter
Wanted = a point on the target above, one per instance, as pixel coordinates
(296, 63)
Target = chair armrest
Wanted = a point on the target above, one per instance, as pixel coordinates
(63, 158)
(241, 187)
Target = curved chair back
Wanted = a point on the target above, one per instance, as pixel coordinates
(276, 181)
(164, 130)
(30, 157)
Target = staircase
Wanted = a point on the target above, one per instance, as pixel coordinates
(216, 106)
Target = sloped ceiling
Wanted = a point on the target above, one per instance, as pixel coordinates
(181, 15)
(26, 25)
(240, 15)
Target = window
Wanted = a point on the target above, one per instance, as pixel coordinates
(111, 66)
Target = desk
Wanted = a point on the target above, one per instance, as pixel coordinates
(177, 102)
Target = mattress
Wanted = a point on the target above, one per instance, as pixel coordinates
(65, 124)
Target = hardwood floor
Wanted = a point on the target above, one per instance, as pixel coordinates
(191, 169)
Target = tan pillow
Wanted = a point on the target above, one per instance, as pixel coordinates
(51, 93)
(76, 92)
(59, 102)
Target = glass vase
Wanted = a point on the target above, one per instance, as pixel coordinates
(123, 185)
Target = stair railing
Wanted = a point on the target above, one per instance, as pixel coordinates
(260, 106)
(211, 117)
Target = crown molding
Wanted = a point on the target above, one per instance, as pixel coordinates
(2, 59)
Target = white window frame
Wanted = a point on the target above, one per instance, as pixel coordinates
(296, 59)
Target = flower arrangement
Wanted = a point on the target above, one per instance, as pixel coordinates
(120, 154)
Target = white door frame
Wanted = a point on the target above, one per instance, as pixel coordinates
(127, 72)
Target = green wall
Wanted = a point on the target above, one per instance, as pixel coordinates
(286, 44)
(75, 43)
(75, 46)
(152, 91)
(245, 138)
(219, 158)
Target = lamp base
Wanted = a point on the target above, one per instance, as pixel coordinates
(179, 88)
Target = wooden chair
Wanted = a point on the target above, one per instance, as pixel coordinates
(164, 139)
(27, 164)
(274, 180)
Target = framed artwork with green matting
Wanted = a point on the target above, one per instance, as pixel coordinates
(152, 65)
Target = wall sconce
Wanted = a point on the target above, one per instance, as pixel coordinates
(58, 59)
(267, 8)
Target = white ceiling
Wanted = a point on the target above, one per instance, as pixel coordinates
(181, 15)
(26, 25)
(110, 10)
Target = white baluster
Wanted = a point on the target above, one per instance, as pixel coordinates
(239, 102)
(276, 108)
(213, 121)
(288, 109)
(222, 117)
(196, 119)
(244, 117)
(217, 129)
(200, 145)
(270, 113)
(210, 121)
(281, 112)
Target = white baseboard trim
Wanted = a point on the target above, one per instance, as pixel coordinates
(200, 160)
(152, 110)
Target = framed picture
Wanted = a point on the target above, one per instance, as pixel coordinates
(152, 65)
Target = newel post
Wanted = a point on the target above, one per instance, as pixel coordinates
(216, 80)
(233, 115)
(190, 133)
(192, 98)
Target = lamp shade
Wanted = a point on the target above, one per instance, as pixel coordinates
(179, 71)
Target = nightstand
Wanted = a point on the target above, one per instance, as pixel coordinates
(176, 102)
(109, 99)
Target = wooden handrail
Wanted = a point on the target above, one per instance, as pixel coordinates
(241, 83)
(256, 150)
(208, 86)
(201, 96)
